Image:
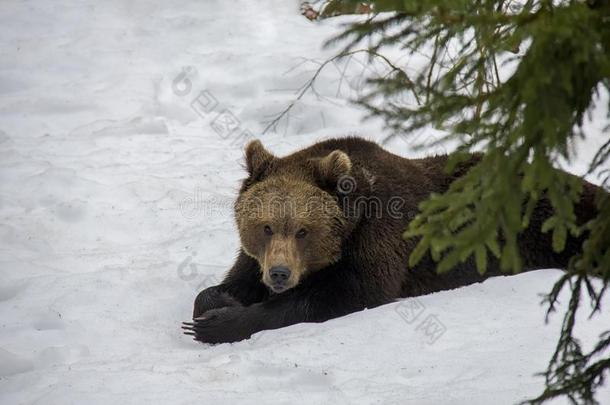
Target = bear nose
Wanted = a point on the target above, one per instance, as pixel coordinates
(279, 274)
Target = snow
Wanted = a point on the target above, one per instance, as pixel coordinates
(116, 209)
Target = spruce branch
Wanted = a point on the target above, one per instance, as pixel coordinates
(559, 53)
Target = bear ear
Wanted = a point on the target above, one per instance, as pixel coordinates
(257, 157)
(332, 167)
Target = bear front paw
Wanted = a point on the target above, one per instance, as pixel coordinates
(211, 298)
(223, 325)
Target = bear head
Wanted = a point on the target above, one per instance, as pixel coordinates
(288, 215)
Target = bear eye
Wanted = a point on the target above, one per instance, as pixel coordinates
(268, 230)
(301, 233)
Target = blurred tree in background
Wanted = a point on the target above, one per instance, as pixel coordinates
(557, 55)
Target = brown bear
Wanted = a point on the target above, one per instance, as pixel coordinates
(321, 237)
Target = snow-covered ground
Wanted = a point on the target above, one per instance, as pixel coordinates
(117, 176)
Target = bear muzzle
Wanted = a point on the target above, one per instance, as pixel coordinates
(279, 275)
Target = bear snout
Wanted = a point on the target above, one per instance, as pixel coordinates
(279, 276)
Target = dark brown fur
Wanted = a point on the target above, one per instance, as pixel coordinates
(370, 266)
